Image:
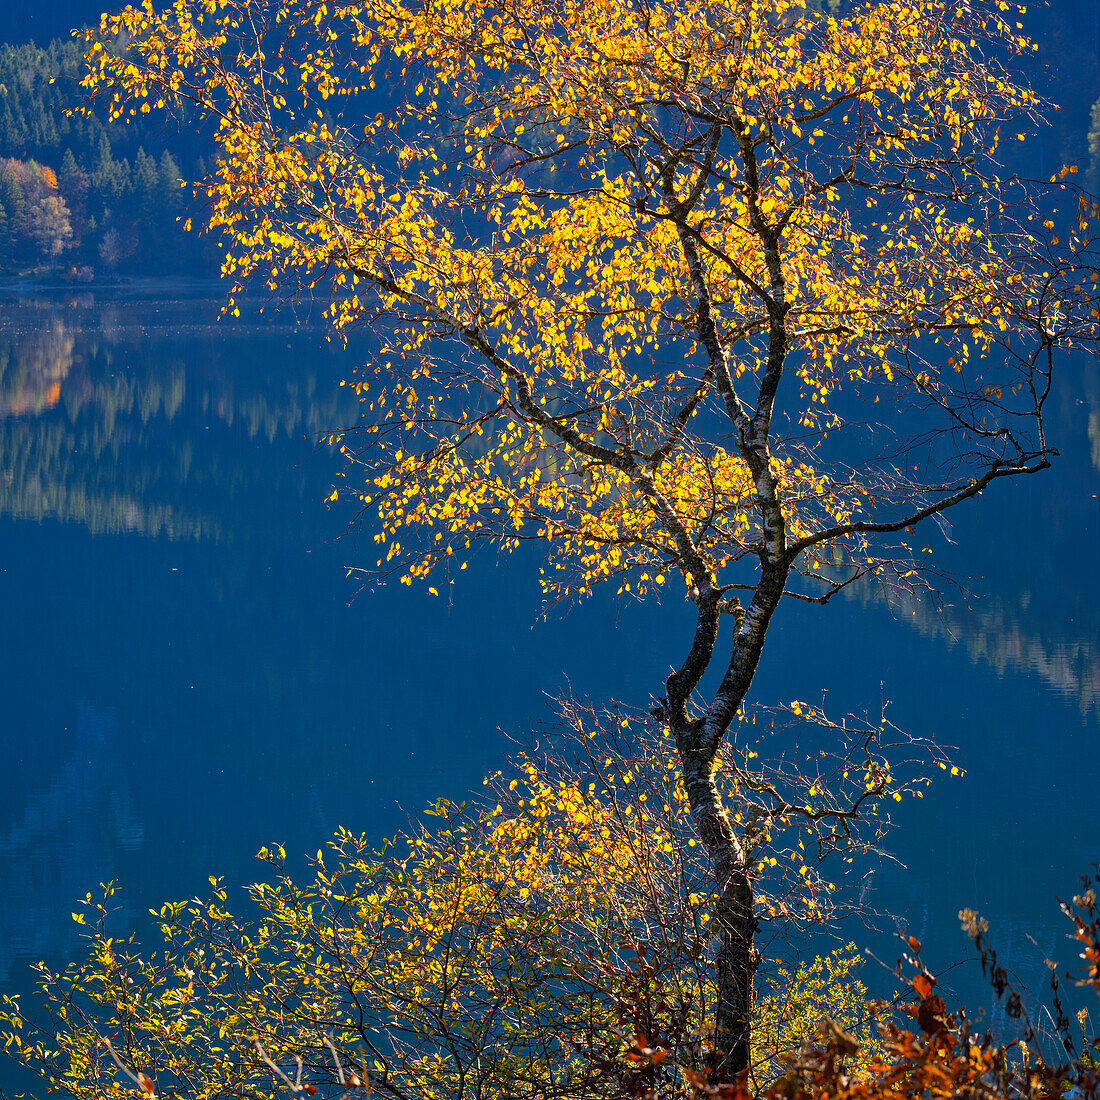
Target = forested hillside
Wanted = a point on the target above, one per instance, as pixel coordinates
(82, 199)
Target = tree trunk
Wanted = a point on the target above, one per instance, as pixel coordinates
(735, 923)
(736, 972)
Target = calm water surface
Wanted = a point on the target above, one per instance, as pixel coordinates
(187, 675)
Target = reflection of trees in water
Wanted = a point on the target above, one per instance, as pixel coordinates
(33, 366)
(1092, 398)
(66, 843)
(86, 465)
(115, 425)
(39, 482)
(996, 636)
(1059, 642)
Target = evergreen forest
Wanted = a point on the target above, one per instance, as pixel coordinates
(81, 199)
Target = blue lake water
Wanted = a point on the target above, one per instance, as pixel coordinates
(187, 672)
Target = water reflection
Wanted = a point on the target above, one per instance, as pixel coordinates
(1034, 608)
(185, 681)
(1003, 636)
(993, 633)
(80, 814)
(101, 415)
(129, 430)
(1090, 398)
(33, 367)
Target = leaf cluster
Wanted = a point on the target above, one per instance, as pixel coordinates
(596, 235)
(492, 953)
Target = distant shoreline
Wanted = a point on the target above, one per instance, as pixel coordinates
(133, 285)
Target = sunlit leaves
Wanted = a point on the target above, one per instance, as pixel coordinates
(516, 212)
(706, 295)
(491, 943)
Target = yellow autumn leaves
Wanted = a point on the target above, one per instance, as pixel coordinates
(516, 216)
(493, 943)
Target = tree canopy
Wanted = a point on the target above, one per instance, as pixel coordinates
(724, 296)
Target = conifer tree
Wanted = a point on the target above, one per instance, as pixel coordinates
(168, 177)
(145, 183)
(5, 239)
(11, 197)
(73, 183)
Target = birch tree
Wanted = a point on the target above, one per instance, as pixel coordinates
(726, 297)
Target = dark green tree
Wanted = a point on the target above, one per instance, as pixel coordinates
(170, 185)
(110, 177)
(146, 183)
(42, 134)
(11, 197)
(73, 182)
(15, 126)
(5, 239)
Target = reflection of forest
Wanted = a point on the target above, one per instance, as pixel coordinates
(140, 417)
(1092, 398)
(126, 428)
(996, 635)
(1045, 618)
(33, 367)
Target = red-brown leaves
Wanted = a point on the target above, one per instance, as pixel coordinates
(737, 1090)
(923, 983)
(931, 1015)
(1085, 914)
